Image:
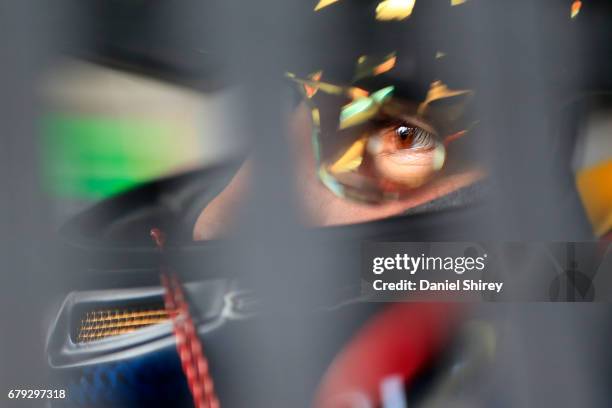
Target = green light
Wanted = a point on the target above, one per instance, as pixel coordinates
(382, 95)
(92, 157)
(363, 109)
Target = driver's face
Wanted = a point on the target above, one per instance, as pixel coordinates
(319, 206)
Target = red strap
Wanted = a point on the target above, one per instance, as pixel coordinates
(188, 345)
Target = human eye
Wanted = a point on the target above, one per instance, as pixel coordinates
(403, 155)
(381, 144)
(401, 137)
(383, 158)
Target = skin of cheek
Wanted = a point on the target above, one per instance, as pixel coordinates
(213, 221)
(320, 206)
(421, 169)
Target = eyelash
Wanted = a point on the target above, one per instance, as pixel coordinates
(409, 136)
(420, 138)
(385, 124)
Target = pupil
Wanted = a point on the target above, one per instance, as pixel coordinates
(403, 132)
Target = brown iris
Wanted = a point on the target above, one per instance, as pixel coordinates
(411, 137)
(404, 154)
